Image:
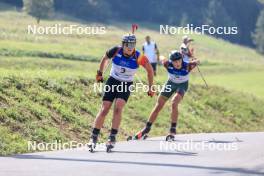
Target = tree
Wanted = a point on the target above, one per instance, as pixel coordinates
(217, 15)
(258, 37)
(39, 8)
(89, 10)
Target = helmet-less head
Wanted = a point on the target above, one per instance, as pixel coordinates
(186, 40)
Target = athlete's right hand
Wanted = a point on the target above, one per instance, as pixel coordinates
(162, 59)
(99, 76)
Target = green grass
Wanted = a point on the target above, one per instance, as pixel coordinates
(11, 142)
(251, 82)
(46, 85)
(58, 104)
(217, 56)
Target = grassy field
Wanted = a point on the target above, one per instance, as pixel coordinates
(46, 85)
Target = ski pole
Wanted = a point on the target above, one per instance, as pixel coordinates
(202, 77)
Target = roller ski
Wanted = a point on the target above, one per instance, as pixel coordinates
(143, 134)
(138, 136)
(170, 137)
(92, 144)
(110, 144)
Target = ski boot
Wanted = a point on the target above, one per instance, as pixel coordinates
(138, 136)
(92, 143)
(170, 137)
(110, 143)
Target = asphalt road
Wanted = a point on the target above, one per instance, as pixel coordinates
(191, 154)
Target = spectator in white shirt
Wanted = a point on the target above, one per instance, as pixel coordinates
(185, 48)
(150, 50)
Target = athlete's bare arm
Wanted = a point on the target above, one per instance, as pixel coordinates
(143, 60)
(103, 63)
(150, 73)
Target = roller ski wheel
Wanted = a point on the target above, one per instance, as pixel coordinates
(109, 147)
(110, 144)
(137, 137)
(145, 137)
(129, 138)
(170, 137)
(92, 144)
(91, 147)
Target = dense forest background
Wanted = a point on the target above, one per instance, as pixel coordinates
(246, 14)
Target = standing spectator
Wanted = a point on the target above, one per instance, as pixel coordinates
(150, 50)
(185, 48)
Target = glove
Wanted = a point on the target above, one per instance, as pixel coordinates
(151, 93)
(99, 76)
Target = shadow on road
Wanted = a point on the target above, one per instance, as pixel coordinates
(159, 153)
(212, 168)
(207, 141)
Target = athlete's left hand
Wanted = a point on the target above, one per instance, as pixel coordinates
(151, 93)
(197, 61)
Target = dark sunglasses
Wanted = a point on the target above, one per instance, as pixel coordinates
(130, 45)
